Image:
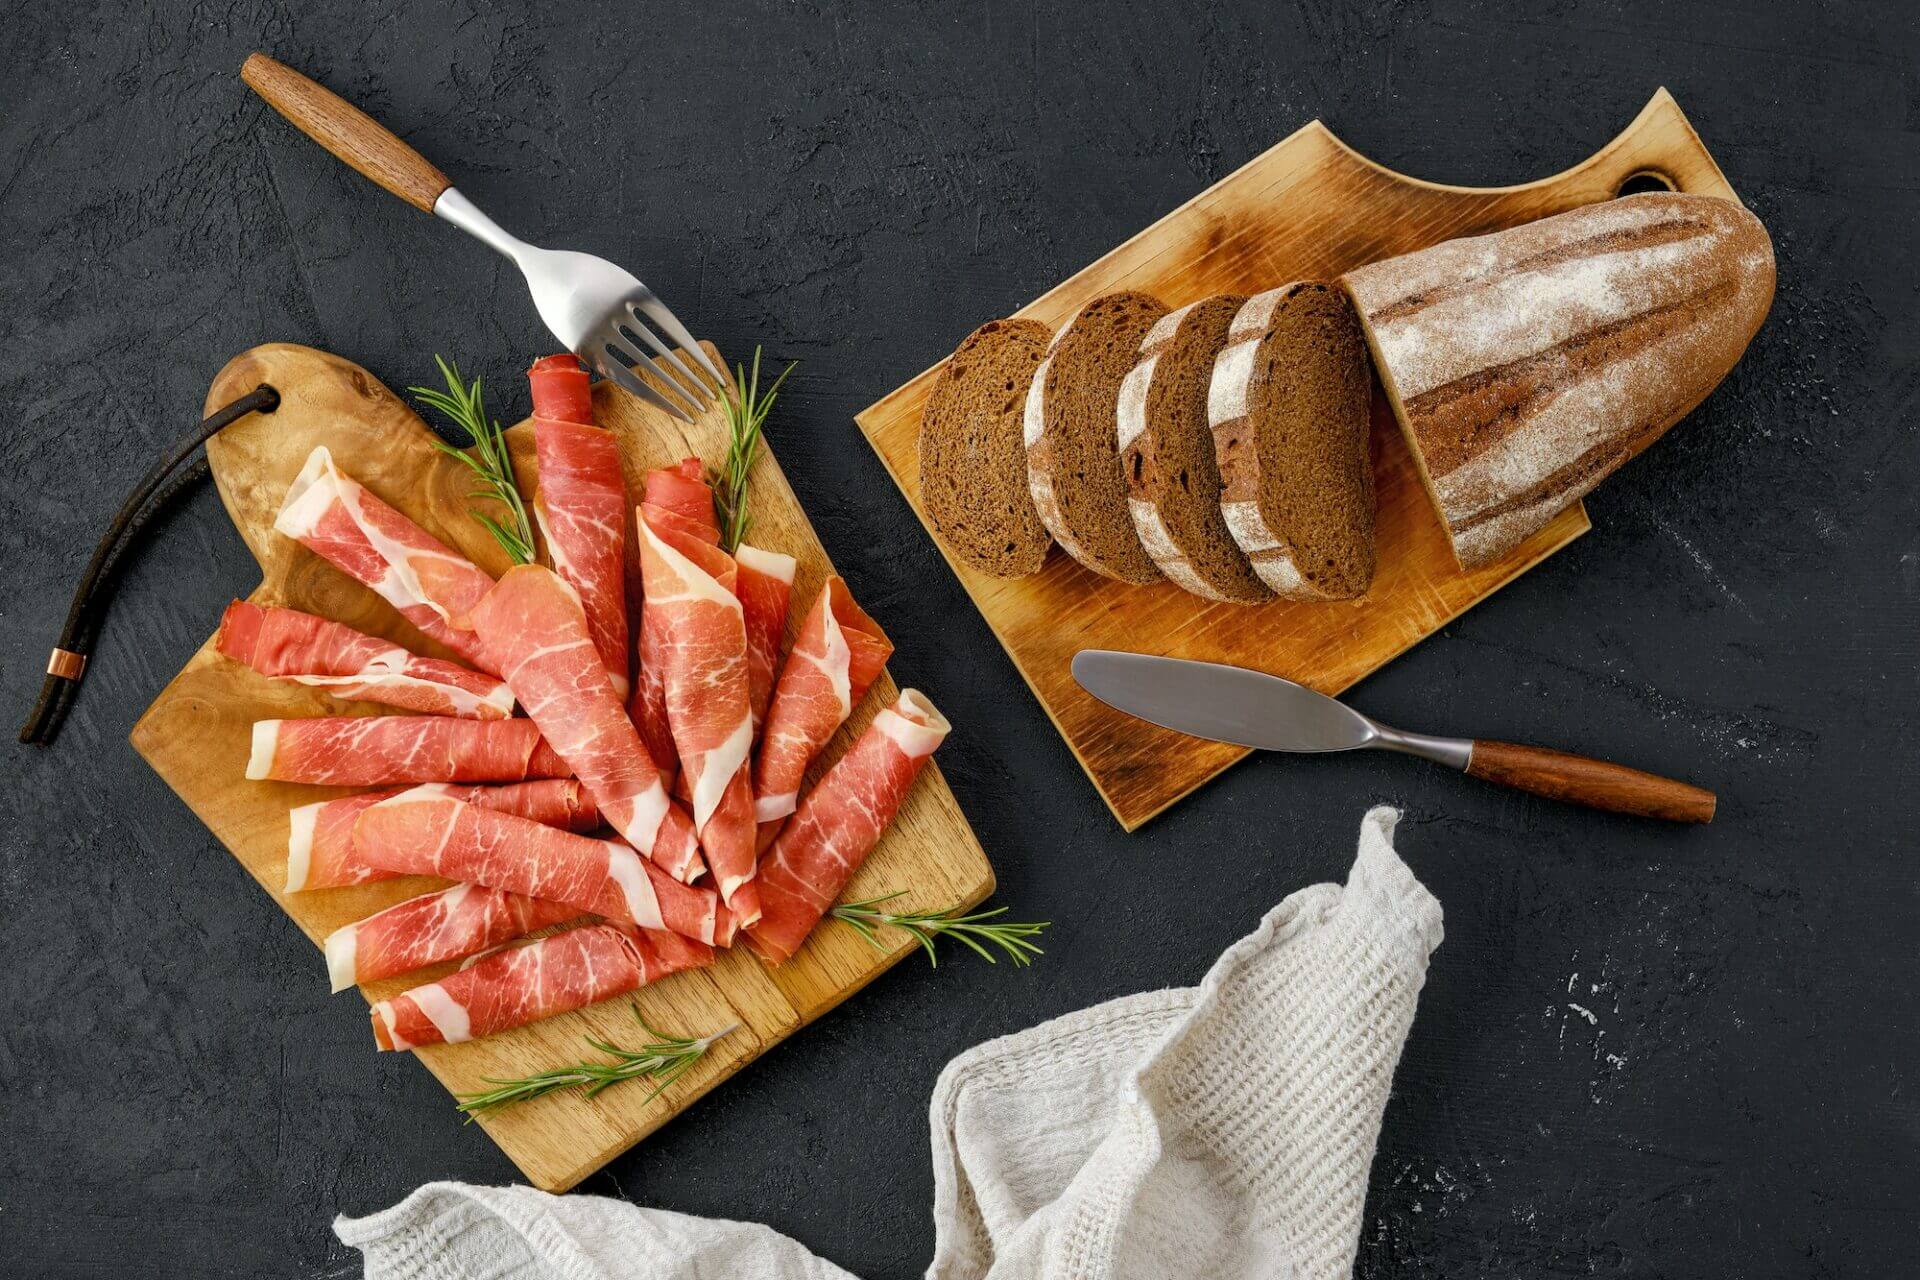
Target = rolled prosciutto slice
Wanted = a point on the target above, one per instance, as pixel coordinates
(690, 588)
(679, 498)
(423, 834)
(524, 984)
(286, 644)
(454, 923)
(533, 624)
(320, 836)
(837, 656)
(582, 504)
(385, 751)
(433, 586)
(840, 821)
(764, 583)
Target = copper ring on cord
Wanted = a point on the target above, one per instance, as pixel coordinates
(177, 470)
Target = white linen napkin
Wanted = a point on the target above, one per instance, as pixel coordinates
(1223, 1130)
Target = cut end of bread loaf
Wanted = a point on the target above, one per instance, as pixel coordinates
(1166, 455)
(973, 461)
(1526, 366)
(1289, 405)
(1073, 456)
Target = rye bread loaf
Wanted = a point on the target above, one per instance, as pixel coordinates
(1073, 454)
(1289, 405)
(1166, 454)
(973, 463)
(1527, 365)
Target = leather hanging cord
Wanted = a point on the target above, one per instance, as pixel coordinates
(155, 491)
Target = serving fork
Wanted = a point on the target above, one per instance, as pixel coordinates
(593, 307)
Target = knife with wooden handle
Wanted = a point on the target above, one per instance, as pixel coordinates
(1253, 709)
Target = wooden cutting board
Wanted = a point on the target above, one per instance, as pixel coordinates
(1309, 208)
(196, 734)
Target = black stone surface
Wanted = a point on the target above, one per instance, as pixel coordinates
(1641, 1052)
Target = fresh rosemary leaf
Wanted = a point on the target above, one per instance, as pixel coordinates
(978, 931)
(486, 456)
(663, 1061)
(747, 410)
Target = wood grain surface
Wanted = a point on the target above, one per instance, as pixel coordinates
(1310, 207)
(1598, 784)
(196, 736)
(348, 132)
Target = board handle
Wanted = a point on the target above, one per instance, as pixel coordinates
(349, 133)
(1597, 784)
(1659, 151)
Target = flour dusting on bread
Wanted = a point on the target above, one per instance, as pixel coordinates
(1526, 366)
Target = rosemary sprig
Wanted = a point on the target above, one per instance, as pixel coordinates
(745, 415)
(663, 1061)
(488, 458)
(979, 930)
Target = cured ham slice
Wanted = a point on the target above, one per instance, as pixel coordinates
(320, 836)
(433, 586)
(385, 751)
(421, 833)
(837, 656)
(648, 706)
(286, 644)
(679, 498)
(533, 624)
(839, 822)
(683, 491)
(546, 977)
(582, 504)
(703, 665)
(764, 583)
(454, 923)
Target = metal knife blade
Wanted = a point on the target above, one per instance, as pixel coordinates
(1227, 704)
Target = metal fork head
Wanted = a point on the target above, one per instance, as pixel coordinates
(598, 310)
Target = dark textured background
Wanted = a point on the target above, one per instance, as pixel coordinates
(857, 187)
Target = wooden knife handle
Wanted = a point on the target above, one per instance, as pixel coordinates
(347, 131)
(1594, 783)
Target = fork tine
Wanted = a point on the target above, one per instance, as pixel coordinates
(621, 346)
(668, 353)
(621, 376)
(670, 325)
(618, 341)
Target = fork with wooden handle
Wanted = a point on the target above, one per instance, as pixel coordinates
(593, 307)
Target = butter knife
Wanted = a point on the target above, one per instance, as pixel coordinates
(1253, 709)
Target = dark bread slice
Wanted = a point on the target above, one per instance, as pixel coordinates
(1289, 405)
(1073, 455)
(973, 464)
(1166, 454)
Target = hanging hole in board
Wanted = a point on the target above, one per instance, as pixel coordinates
(1641, 183)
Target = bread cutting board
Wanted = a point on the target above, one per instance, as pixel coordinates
(1310, 208)
(196, 734)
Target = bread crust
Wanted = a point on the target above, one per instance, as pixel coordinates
(1231, 398)
(1149, 463)
(1526, 366)
(1084, 453)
